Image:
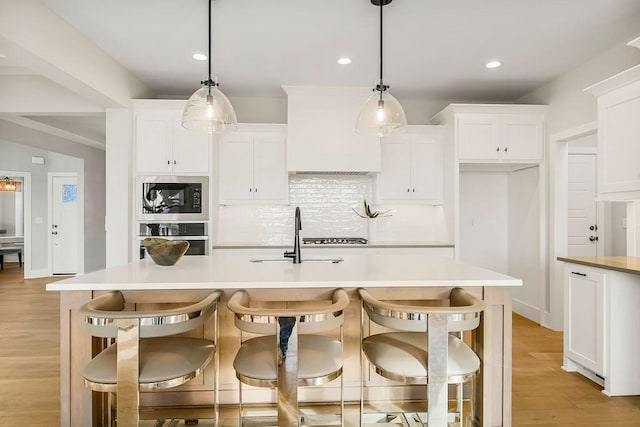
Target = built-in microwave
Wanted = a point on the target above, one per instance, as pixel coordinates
(173, 198)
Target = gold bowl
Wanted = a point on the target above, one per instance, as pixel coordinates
(165, 252)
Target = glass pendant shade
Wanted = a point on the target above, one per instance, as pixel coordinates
(381, 115)
(209, 110)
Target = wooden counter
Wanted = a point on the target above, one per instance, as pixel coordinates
(625, 264)
(388, 277)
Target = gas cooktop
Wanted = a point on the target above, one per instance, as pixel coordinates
(334, 241)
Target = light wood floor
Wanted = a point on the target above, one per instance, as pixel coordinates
(543, 394)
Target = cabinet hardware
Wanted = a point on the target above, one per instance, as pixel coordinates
(408, 190)
(505, 149)
(579, 274)
(251, 190)
(497, 148)
(174, 162)
(414, 190)
(255, 190)
(168, 162)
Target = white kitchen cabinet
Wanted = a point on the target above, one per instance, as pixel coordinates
(412, 166)
(252, 165)
(602, 320)
(163, 146)
(618, 135)
(496, 133)
(584, 317)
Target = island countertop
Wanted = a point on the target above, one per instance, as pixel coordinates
(236, 271)
(625, 264)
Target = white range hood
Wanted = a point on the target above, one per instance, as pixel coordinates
(321, 131)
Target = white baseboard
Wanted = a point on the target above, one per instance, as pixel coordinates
(35, 274)
(527, 310)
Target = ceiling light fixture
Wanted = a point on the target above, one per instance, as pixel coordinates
(8, 184)
(208, 109)
(382, 114)
(200, 56)
(493, 64)
(344, 61)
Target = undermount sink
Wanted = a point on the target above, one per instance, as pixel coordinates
(334, 260)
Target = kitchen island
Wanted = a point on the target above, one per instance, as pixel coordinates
(389, 276)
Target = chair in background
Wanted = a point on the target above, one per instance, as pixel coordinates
(147, 355)
(401, 352)
(289, 351)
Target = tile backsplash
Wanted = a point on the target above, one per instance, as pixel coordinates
(326, 204)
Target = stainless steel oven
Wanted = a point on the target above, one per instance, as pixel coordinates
(172, 198)
(195, 233)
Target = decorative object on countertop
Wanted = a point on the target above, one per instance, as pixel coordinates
(8, 184)
(165, 252)
(382, 114)
(368, 213)
(209, 109)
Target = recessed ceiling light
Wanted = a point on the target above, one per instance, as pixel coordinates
(344, 61)
(493, 64)
(200, 56)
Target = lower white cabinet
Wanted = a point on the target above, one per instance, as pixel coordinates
(585, 318)
(252, 165)
(602, 324)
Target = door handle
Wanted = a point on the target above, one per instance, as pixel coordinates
(593, 228)
(55, 233)
(593, 238)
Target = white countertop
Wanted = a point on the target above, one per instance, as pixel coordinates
(235, 271)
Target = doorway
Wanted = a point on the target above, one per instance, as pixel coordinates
(64, 223)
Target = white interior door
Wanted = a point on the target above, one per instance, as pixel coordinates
(64, 225)
(582, 209)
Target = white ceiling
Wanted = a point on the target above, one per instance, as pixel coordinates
(433, 48)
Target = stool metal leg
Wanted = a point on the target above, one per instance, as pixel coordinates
(287, 357)
(128, 398)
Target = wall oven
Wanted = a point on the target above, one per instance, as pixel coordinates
(172, 198)
(195, 233)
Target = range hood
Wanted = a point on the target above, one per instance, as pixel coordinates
(321, 134)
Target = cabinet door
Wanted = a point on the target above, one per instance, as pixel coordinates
(523, 137)
(236, 167)
(426, 169)
(190, 150)
(153, 143)
(394, 180)
(585, 309)
(478, 137)
(269, 169)
(619, 140)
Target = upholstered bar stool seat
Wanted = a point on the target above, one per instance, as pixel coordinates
(163, 363)
(403, 356)
(319, 360)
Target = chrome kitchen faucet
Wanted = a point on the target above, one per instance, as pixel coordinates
(295, 254)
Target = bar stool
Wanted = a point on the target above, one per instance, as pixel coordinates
(422, 344)
(290, 350)
(147, 355)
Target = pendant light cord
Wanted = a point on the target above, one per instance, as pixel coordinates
(209, 81)
(381, 6)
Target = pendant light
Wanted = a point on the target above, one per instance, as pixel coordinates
(382, 114)
(208, 109)
(8, 184)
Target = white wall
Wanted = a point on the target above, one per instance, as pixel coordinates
(524, 241)
(484, 215)
(21, 142)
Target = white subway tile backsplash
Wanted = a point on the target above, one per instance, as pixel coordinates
(326, 204)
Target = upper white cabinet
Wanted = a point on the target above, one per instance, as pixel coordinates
(163, 146)
(412, 166)
(496, 133)
(252, 165)
(321, 133)
(619, 135)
